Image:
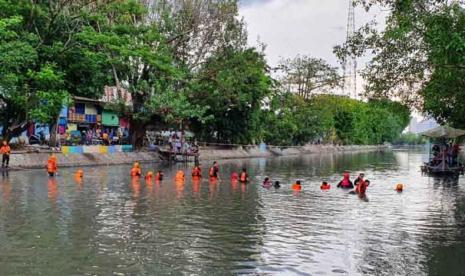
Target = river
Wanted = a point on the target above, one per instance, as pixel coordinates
(112, 225)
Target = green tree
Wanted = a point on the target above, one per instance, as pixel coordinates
(306, 75)
(140, 60)
(41, 61)
(233, 85)
(418, 56)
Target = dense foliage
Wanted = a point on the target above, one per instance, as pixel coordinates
(418, 56)
(333, 119)
(186, 65)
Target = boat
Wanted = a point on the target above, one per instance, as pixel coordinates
(440, 159)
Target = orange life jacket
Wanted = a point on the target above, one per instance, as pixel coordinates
(5, 149)
(135, 171)
(52, 166)
(297, 187)
(180, 176)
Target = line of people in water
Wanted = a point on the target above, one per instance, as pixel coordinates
(360, 183)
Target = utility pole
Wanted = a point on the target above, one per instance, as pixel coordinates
(350, 63)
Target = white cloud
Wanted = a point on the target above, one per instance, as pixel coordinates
(291, 27)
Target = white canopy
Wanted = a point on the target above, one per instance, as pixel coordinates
(443, 132)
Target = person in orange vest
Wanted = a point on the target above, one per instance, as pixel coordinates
(214, 171)
(136, 171)
(325, 186)
(399, 188)
(180, 176)
(244, 177)
(149, 176)
(159, 176)
(362, 187)
(297, 186)
(196, 172)
(5, 151)
(52, 167)
(79, 173)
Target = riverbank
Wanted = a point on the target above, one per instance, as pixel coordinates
(213, 153)
(38, 160)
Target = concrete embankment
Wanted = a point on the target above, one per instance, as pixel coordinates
(211, 153)
(38, 160)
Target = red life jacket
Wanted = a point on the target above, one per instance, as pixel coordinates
(213, 172)
(196, 172)
(243, 177)
(325, 187)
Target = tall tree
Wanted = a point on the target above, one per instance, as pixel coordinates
(306, 75)
(195, 29)
(140, 60)
(233, 85)
(37, 42)
(418, 56)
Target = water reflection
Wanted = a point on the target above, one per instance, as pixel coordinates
(108, 222)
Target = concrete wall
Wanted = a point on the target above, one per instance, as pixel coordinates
(38, 160)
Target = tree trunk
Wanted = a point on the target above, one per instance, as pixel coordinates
(53, 134)
(137, 133)
(11, 131)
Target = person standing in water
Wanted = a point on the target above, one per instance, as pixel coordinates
(345, 183)
(244, 177)
(362, 187)
(136, 171)
(360, 177)
(5, 151)
(52, 166)
(214, 171)
(196, 172)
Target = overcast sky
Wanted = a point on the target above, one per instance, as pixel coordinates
(308, 27)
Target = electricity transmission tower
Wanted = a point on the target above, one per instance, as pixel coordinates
(350, 64)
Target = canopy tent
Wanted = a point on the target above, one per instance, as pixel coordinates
(443, 132)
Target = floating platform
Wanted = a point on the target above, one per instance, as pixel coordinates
(172, 156)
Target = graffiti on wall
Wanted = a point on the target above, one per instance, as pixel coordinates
(96, 149)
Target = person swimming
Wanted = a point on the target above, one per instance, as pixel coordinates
(359, 178)
(399, 188)
(267, 182)
(325, 186)
(362, 187)
(297, 186)
(277, 185)
(345, 183)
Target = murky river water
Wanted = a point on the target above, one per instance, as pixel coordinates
(110, 225)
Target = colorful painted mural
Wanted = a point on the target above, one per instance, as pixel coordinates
(96, 149)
